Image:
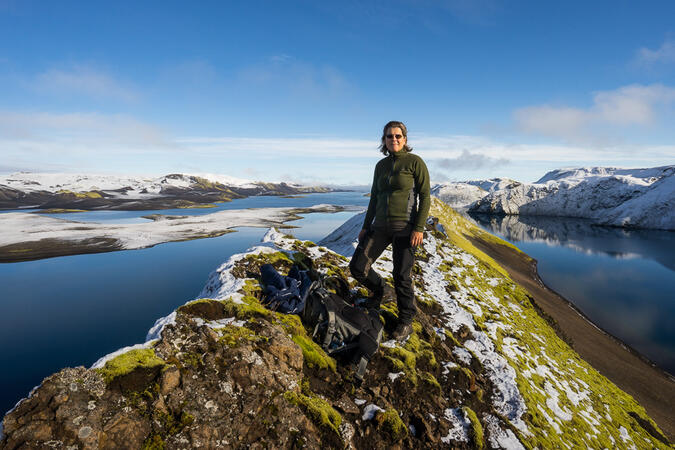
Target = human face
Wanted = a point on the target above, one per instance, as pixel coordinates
(395, 145)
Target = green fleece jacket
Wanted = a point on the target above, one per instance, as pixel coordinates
(400, 180)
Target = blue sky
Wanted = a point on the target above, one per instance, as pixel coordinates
(299, 91)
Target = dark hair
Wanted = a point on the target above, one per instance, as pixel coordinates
(394, 124)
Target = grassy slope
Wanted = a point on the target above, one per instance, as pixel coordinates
(592, 411)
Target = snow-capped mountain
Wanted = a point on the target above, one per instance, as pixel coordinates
(463, 194)
(63, 190)
(635, 198)
(458, 195)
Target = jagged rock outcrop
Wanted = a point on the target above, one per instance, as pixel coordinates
(481, 369)
(458, 195)
(72, 191)
(463, 194)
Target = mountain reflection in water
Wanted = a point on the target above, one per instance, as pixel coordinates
(582, 236)
(623, 280)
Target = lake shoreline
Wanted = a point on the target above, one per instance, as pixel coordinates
(58, 237)
(651, 386)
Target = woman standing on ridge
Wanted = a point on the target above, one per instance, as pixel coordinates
(397, 212)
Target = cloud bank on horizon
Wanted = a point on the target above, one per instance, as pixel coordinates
(300, 92)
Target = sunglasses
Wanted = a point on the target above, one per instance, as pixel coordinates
(392, 136)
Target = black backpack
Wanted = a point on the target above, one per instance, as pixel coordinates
(340, 327)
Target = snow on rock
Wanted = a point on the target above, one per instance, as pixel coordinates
(156, 331)
(499, 438)
(458, 195)
(370, 411)
(460, 425)
(128, 186)
(639, 198)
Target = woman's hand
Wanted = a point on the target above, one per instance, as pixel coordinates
(362, 234)
(416, 238)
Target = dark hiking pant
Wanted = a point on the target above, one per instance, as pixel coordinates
(369, 249)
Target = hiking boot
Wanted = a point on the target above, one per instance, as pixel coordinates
(402, 331)
(388, 294)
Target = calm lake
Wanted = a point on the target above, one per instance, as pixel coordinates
(623, 280)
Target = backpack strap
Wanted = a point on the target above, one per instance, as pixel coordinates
(361, 368)
(330, 331)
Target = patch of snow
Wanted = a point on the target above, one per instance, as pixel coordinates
(460, 426)
(220, 323)
(552, 402)
(510, 348)
(156, 331)
(500, 438)
(575, 397)
(447, 365)
(493, 282)
(370, 411)
(462, 354)
(394, 376)
(359, 401)
(625, 437)
(492, 328)
(391, 343)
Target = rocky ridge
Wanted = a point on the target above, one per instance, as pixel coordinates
(482, 369)
(71, 191)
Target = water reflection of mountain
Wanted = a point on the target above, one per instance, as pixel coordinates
(582, 236)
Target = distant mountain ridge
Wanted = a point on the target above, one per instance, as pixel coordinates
(631, 198)
(68, 191)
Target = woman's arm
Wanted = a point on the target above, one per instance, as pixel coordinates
(424, 191)
(372, 206)
(421, 176)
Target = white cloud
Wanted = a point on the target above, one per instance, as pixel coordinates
(273, 147)
(82, 80)
(122, 144)
(551, 121)
(89, 128)
(469, 161)
(664, 54)
(634, 104)
(629, 105)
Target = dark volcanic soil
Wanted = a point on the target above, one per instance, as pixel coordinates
(49, 248)
(649, 385)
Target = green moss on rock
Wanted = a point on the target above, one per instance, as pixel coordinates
(129, 361)
(476, 431)
(313, 354)
(392, 424)
(232, 335)
(319, 411)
